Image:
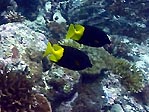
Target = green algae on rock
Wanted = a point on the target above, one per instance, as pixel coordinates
(131, 77)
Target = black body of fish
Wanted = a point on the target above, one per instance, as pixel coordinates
(94, 37)
(74, 59)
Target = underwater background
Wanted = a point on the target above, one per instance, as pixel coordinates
(118, 80)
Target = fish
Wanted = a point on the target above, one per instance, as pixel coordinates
(67, 57)
(87, 35)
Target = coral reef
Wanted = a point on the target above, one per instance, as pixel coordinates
(12, 16)
(16, 92)
(115, 17)
(111, 83)
(29, 9)
(98, 58)
(24, 53)
(58, 30)
(42, 104)
(131, 77)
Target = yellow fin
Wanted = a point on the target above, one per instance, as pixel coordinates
(52, 58)
(70, 32)
(75, 32)
(48, 50)
(54, 52)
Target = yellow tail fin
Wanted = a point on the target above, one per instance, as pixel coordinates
(54, 53)
(48, 50)
(71, 31)
(75, 32)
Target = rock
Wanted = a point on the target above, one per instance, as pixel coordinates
(42, 104)
(58, 18)
(117, 108)
(29, 9)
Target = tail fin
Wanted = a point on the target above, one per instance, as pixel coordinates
(79, 29)
(75, 32)
(71, 31)
(48, 50)
(55, 52)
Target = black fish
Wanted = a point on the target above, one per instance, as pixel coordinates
(74, 59)
(67, 57)
(87, 35)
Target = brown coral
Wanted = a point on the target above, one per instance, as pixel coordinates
(17, 94)
(15, 91)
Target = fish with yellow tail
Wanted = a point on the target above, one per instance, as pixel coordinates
(67, 57)
(87, 35)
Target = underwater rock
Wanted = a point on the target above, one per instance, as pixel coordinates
(143, 96)
(116, 108)
(17, 35)
(42, 104)
(58, 30)
(146, 95)
(115, 93)
(87, 99)
(62, 84)
(117, 16)
(29, 8)
(57, 17)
